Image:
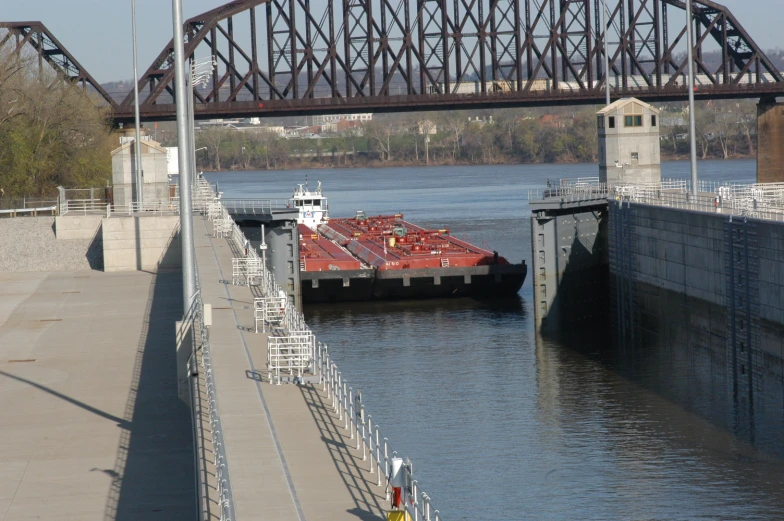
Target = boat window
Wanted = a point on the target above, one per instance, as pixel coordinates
(309, 202)
(297, 203)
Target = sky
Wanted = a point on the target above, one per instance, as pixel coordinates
(98, 32)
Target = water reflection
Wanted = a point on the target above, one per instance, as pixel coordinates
(502, 424)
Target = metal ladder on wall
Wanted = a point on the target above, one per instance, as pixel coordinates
(741, 263)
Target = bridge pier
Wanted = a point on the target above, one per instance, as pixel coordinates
(770, 141)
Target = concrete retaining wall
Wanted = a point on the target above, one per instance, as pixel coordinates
(141, 243)
(725, 278)
(69, 227)
(30, 244)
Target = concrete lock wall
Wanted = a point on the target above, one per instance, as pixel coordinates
(50, 244)
(141, 243)
(715, 281)
(282, 238)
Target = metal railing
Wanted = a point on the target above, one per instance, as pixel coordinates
(196, 316)
(307, 354)
(92, 207)
(757, 201)
(570, 190)
(27, 207)
(254, 206)
(376, 450)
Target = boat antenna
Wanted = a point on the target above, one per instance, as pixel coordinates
(306, 182)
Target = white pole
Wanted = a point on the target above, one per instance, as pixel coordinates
(692, 125)
(606, 53)
(138, 143)
(186, 213)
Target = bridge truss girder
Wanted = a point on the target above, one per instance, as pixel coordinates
(16, 38)
(289, 57)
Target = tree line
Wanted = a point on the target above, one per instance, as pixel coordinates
(51, 133)
(725, 129)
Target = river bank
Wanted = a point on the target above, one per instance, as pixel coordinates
(317, 164)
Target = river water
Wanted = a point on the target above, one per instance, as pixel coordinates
(503, 425)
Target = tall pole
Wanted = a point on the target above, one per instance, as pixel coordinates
(606, 53)
(138, 143)
(186, 213)
(692, 125)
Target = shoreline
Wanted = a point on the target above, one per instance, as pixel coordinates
(397, 164)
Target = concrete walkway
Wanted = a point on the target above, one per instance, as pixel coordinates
(287, 453)
(90, 422)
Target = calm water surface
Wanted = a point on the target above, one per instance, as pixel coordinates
(501, 425)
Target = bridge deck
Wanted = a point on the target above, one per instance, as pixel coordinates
(289, 457)
(90, 422)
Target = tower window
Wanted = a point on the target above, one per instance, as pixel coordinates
(633, 121)
(612, 121)
(653, 120)
(635, 156)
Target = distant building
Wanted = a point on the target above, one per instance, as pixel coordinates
(334, 118)
(343, 125)
(427, 127)
(629, 143)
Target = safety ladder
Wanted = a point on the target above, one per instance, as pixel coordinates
(270, 312)
(444, 262)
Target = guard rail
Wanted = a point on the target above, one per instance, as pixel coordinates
(345, 401)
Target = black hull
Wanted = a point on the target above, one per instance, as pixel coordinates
(364, 285)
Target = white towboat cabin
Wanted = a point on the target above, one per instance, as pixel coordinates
(312, 206)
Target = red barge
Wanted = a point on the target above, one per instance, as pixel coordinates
(385, 257)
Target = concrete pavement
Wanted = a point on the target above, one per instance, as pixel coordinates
(289, 457)
(89, 417)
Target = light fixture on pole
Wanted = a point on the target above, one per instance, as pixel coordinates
(200, 72)
(186, 208)
(606, 53)
(138, 143)
(692, 125)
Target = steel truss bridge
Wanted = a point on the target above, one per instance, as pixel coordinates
(294, 57)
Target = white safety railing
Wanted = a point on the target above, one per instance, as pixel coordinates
(571, 190)
(757, 201)
(168, 207)
(255, 206)
(291, 355)
(246, 271)
(269, 312)
(293, 349)
(376, 450)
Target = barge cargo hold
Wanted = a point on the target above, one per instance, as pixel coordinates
(385, 257)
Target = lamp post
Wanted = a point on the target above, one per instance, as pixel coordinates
(692, 125)
(138, 143)
(186, 208)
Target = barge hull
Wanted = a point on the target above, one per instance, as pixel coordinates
(405, 284)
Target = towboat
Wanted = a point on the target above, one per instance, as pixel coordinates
(385, 257)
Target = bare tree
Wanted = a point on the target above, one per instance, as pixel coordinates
(380, 133)
(456, 124)
(212, 138)
(426, 126)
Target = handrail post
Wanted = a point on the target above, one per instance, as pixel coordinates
(370, 443)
